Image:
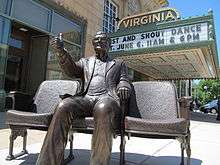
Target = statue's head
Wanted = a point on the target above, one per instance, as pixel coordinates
(101, 43)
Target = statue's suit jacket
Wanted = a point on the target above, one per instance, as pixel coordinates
(116, 75)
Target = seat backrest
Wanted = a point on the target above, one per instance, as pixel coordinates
(153, 100)
(47, 95)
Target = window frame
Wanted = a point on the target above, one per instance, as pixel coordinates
(109, 24)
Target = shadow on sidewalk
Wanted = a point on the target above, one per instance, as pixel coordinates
(28, 159)
(82, 157)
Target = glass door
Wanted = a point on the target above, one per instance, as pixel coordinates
(26, 62)
(17, 60)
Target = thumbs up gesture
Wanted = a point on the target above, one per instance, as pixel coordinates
(57, 42)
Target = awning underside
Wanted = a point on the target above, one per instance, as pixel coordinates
(195, 63)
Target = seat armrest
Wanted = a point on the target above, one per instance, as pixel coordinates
(184, 103)
(20, 101)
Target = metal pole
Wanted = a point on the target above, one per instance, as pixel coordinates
(190, 88)
(206, 92)
(180, 95)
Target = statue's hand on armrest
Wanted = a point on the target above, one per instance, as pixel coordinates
(123, 93)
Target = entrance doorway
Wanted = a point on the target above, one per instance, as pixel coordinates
(27, 59)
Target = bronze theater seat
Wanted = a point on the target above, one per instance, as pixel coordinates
(35, 113)
(153, 112)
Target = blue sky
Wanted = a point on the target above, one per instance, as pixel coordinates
(189, 8)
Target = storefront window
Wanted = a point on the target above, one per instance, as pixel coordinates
(60, 24)
(3, 53)
(72, 35)
(4, 30)
(41, 21)
(5, 6)
(73, 50)
(4, 33)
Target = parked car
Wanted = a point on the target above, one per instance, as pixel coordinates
(210, 107)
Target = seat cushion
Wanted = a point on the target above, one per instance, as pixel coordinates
(88, 123)
(21, 118)
(84, 123)
(165, 127)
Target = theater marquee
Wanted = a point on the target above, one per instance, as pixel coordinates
(162, 46)
(165, 37)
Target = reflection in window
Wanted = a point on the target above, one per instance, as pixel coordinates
(53, 69)
(15, 43)
(54, 75)
(73, 50)
(61, 24)
(73, 36)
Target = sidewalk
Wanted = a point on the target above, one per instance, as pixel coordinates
(205, 145)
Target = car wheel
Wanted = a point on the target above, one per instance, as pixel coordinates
(201, 109)
(213, 111)
(205, 110)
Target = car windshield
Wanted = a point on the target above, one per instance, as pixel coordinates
(214, 101)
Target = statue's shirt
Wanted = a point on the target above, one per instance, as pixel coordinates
(97, 85)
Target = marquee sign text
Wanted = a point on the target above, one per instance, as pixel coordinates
(165, 37)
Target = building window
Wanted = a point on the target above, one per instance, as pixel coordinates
(110, 15)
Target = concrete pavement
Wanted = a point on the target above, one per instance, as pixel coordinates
(205, 145)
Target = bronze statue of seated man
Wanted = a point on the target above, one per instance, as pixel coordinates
(105, 83)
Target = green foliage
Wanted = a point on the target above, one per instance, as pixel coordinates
(212, 92)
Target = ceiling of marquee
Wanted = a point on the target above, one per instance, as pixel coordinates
(181, 64)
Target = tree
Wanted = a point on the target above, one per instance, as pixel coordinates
(212, 92)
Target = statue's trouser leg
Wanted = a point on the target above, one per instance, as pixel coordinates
(105, 114)
(52, 152)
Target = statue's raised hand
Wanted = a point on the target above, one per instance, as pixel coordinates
(57, 43)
